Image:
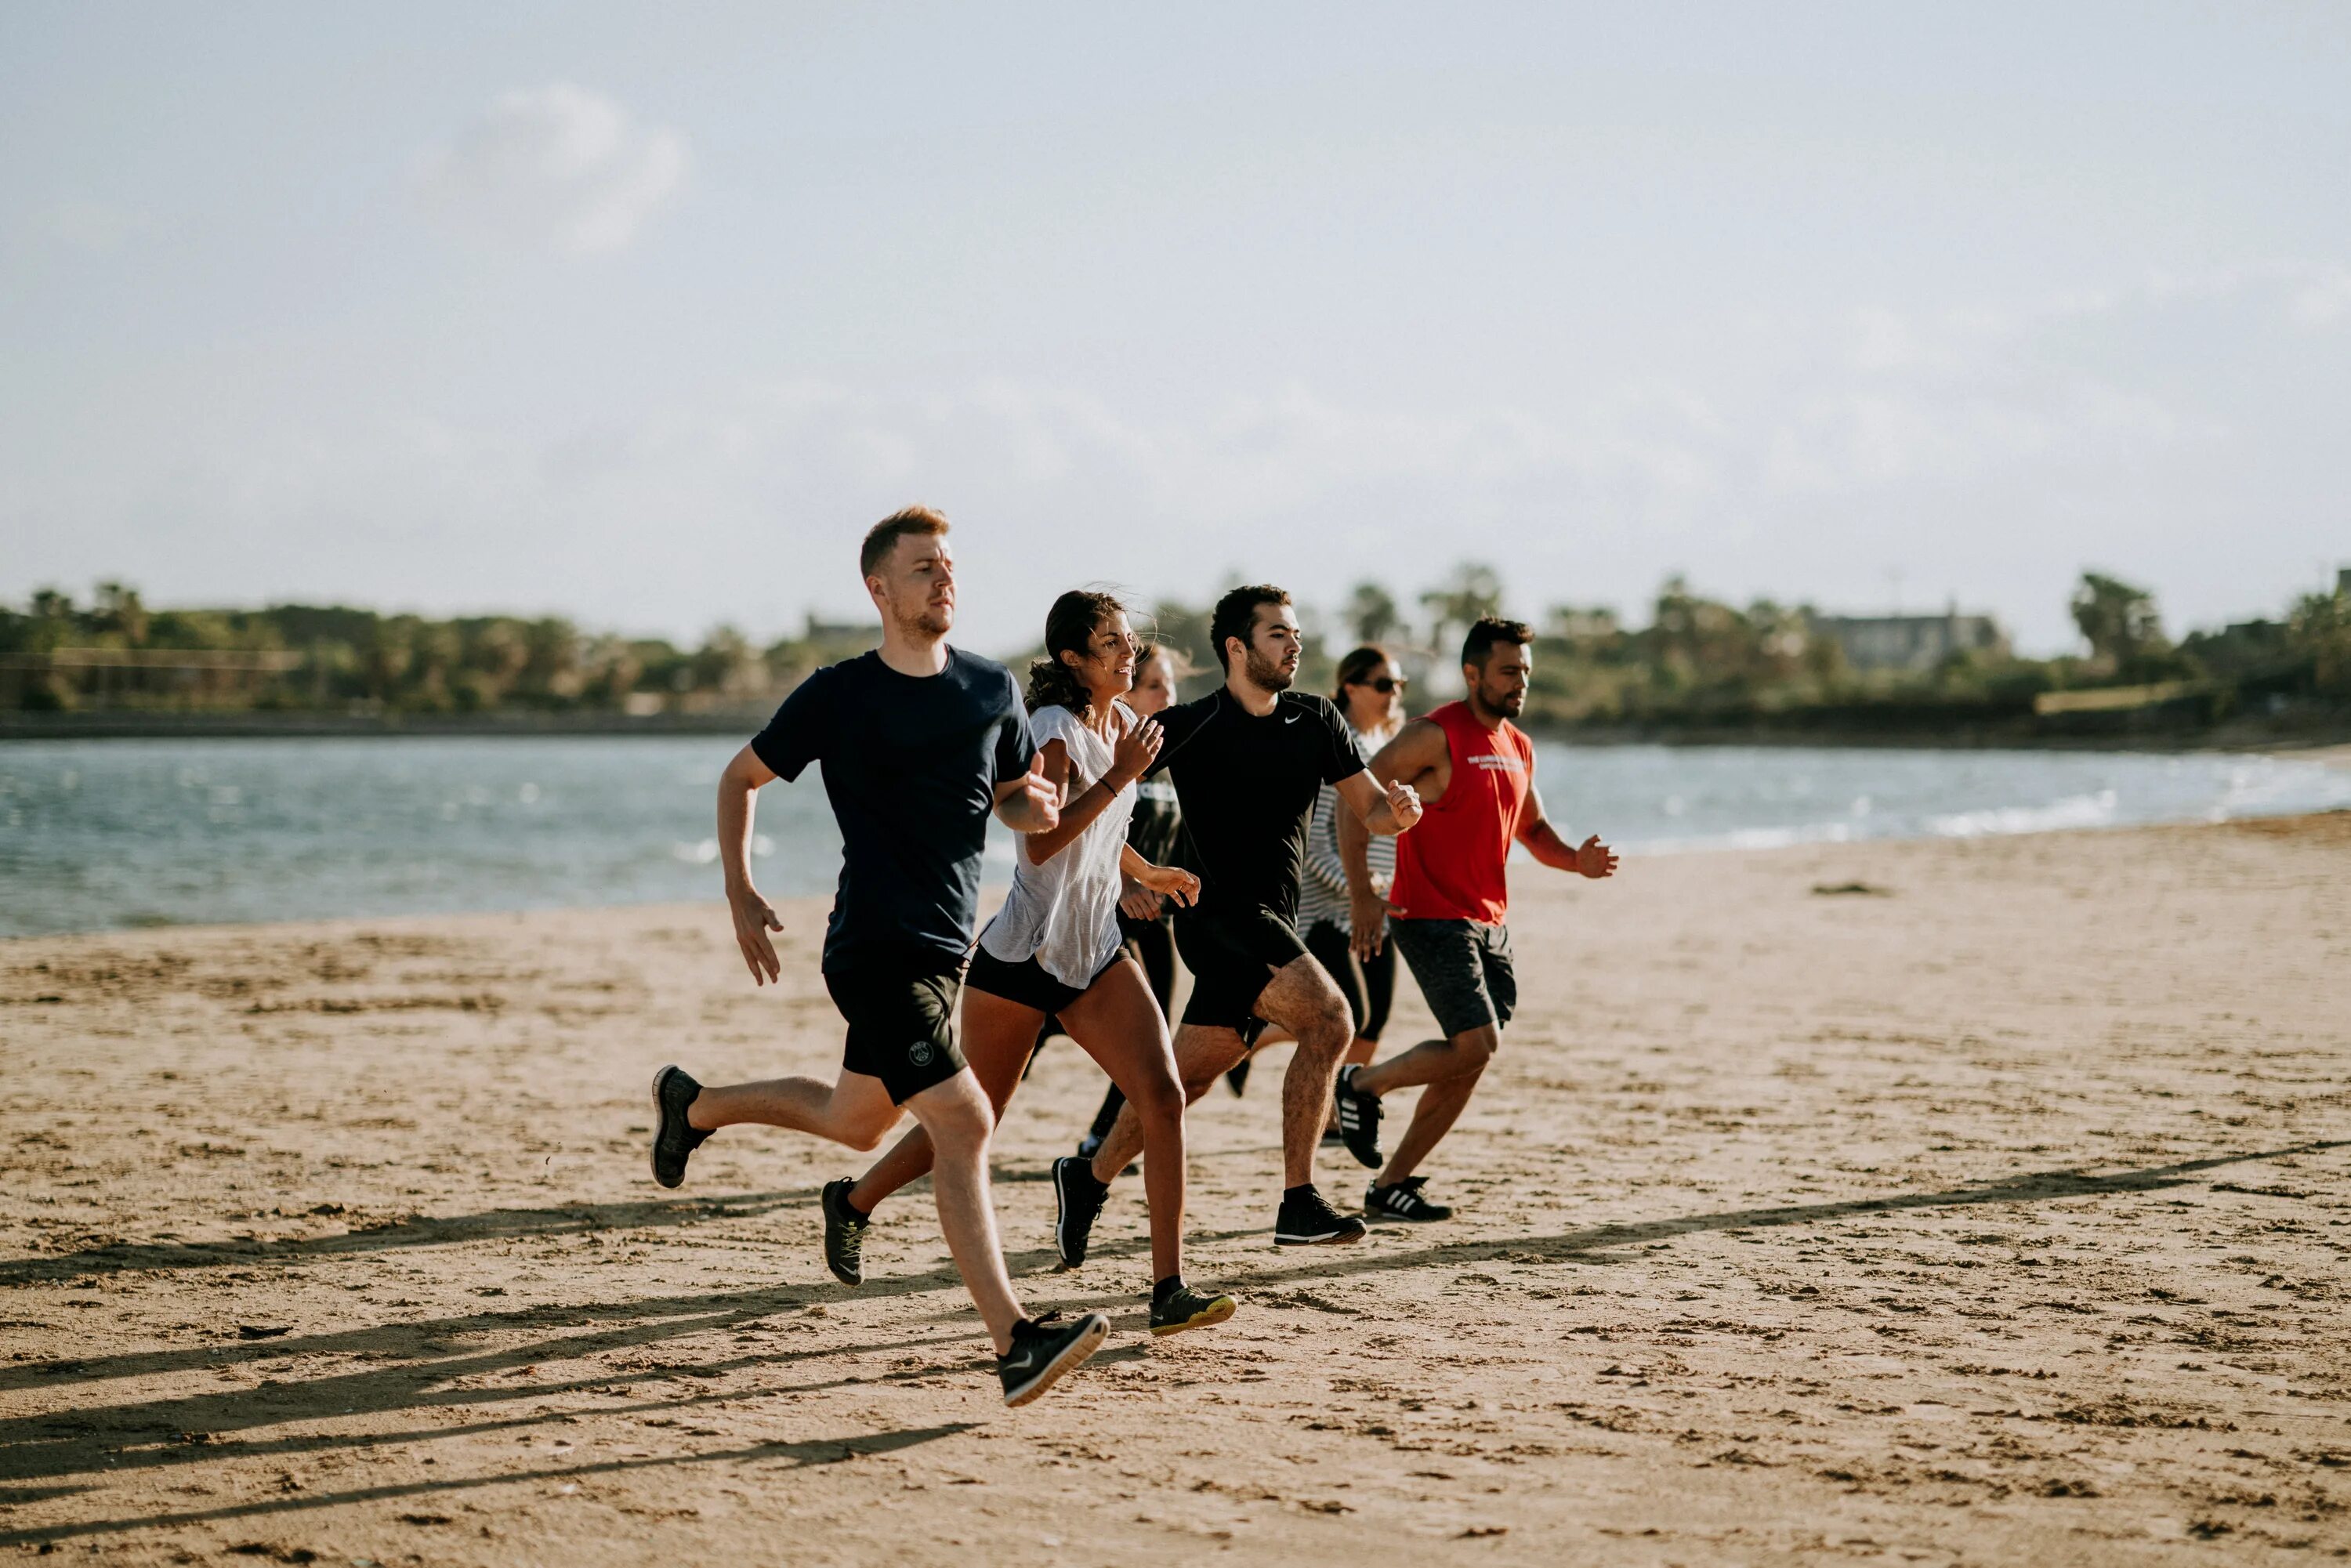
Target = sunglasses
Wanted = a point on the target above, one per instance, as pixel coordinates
(1385, 685)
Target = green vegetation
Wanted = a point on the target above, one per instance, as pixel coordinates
(1699, 665)
(1704, 664)
(118, 653)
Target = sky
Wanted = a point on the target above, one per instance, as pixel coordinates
(641, 314)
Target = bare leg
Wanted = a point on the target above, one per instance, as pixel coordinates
(1450, 1069)
(999, 1036)
(1120, 1026)
(1202, 1056)
(1303, 999)
(855, 1111)
(959, 1118)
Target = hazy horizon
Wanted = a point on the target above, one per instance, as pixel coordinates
(641, 319)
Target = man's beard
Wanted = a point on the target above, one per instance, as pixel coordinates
(928, 620)
(1265, 675)
(1509, 705)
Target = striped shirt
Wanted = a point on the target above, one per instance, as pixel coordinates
(1323, 890)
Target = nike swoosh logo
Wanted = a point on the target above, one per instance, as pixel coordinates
(1292, 719)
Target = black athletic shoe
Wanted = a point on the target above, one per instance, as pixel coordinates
(1358, 1118)
(1043, 1351)
(1078, 1199)
(1185, 1308)
(673, 1137)
(1236, 1075)
(1402, 1200)
(1307, 1221)
(844, 1233)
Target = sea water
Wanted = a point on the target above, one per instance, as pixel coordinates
(113, 833)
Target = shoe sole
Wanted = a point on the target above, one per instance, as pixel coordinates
(1215, 1312)
(1370, 1217)
(661, 1120)
(1070, 1357)
(1329, 1238)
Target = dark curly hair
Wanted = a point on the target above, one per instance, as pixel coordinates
(1069, 627)
(1236, 615)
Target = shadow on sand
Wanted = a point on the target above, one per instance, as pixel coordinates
(87, 1439)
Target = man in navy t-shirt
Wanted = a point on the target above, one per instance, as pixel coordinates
(918, 745)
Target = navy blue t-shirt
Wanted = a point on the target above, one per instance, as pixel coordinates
(911, 765)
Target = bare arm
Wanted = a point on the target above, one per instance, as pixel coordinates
(1130, 758)
(738, 793)
(1168, 881)
(1386, 813)
(1031, 803)
(1591, 858)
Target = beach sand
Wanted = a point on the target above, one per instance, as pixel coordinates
(1997, 1208)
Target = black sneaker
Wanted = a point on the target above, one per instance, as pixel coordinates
(673, 1137)
(1402, 1200)
(1236, 1075)
(1044, 1350)
(1307, 1221)
(1185, 1308)
(1358, 1118)
(1078, 1199)
(844, 1233)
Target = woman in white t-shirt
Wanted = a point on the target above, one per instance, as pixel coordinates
(1055, 947)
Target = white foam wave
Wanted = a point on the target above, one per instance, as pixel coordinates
(2074, 811)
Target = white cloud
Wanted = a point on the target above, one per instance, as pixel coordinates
(557, 167)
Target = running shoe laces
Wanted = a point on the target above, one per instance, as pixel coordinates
(1306, 1220)
(844, 1233)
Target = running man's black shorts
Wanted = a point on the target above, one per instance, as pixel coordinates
(1026, 982)
(1464, 970)
(1231, 957)
(900, 1003)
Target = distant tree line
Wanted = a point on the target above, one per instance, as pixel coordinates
(1697, 661)
(63, 655)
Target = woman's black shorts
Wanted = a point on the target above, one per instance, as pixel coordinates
(1026, 982)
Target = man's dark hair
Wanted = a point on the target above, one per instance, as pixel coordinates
(1490, 632)
(1236, 614)
(883, 537)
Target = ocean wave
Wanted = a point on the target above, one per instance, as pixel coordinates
(2073, 811)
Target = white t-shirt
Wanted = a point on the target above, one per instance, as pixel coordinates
(1064, 913)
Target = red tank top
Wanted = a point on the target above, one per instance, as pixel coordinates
(1450, 865)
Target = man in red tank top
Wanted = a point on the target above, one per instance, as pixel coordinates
(1475, 772)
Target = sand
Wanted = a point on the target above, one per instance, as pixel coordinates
(1995, 1211)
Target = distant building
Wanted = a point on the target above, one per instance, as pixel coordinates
(1910, 641)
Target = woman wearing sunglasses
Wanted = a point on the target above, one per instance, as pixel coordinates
(1371, 692)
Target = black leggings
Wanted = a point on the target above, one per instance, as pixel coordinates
(1153, 943)
(1369, 984)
